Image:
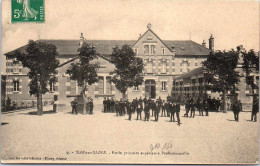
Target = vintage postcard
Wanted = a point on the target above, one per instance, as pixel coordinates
(130, 82)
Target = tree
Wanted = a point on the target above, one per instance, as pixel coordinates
(250, 66)
(40, 59)
(128, 70)
(83, 71)
(221, 66)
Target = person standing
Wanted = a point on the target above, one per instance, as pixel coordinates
(160, 103)
(112, 105)
(187, 107)
(129, 110)
(177, 110)
(210, 103)
(139, 109)
(145, 100)
(192, 109)
(121, 107)
(105, 104)
(255, 109)
(236, 110)
(117, 108)
(108, 105)
(172, 111)
(157, 111)
(206, 106)
(147, 113)
(199, 106)
(74, 106)
(218, 104)
(91, 106)
(163, 108)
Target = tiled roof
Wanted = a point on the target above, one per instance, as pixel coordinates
(187, 47)
(104, 47)
(193, 72)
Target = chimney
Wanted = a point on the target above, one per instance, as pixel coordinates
(211, 43)
(204, 43)
(81, 40)
(140, 35)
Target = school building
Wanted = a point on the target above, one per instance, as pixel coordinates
(163, 60)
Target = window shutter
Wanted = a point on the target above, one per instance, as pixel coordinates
(160, 67)
(17, 85)
(153, 69)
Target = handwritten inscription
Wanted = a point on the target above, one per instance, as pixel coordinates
(162, 147)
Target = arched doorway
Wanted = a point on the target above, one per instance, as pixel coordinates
(150, 89)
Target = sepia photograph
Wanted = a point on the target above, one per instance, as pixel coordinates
(130, 82)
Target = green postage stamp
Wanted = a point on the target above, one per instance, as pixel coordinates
(28, 11)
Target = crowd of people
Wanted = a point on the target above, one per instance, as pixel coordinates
(202, 105)
(148, 106)
(165, 108)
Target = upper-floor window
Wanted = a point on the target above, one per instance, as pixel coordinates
(149, 49)
(52, 87)
(163, 51)
(149, 67)
(153, 49)
(164, 66)
(16, 85)
(146, 49)
(16, 66)
(185, 65)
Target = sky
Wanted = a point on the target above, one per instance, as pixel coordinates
(232, 23)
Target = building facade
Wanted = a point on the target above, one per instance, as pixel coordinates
(163, 60)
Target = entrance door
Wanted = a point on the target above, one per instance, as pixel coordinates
(150, 89)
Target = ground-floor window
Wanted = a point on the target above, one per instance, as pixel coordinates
(104, 85)
(163, 86)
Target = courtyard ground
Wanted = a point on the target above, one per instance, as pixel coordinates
(106, 138)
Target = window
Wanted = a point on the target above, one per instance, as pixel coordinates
(196, 64)
(146, 49)
(68, 79)
(164, 64)
(153, 49)
(16, 66)
(163, 86)
(108, 85)
(149, 49)
(52, 88)
(100, 85)
(163, 51)
(150, 67)
(185, 65)
(16, 86)
(136, 88)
